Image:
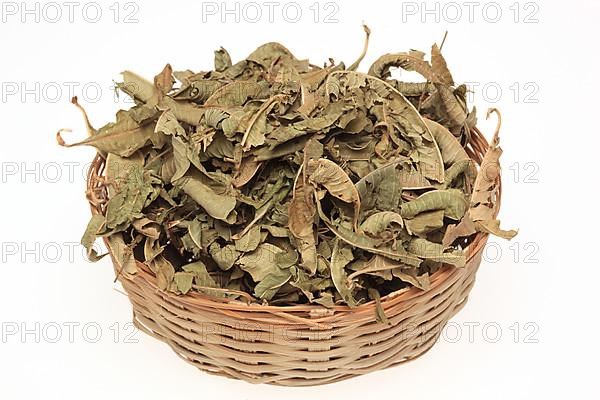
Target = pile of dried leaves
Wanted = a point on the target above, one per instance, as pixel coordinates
(277, 180)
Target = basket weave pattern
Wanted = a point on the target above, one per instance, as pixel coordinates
(299, 345)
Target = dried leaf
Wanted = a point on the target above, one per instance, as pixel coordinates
(439, 67)
(379, 222)
(225, 256)
(485, 188)
(250, 240)
(379, 311)
(183, 281)
(464, 228)
(411, 61)
(425, 222)
(123, 137)
(261, 262)
(136, 87)
(328, 174)
(268, 287)
(255, 133)
(218, 206)
(301, 218)
(455, 112)
(222, 60)
(234, 94)
(91, 233)
(340, 257)
(452, 201)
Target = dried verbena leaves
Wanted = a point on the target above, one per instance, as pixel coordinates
(485, 190)
(275, 180)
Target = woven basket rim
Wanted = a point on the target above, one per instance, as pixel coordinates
(476, 148)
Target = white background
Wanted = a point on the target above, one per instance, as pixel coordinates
(539, 292)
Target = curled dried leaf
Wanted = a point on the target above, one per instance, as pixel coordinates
(328, 174)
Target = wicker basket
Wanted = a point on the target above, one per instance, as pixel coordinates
(300, 345)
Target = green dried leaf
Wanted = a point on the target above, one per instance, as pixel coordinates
(450, 147)
(380, 189)
(222, 60)
(301, 218)
(250, 241)
(271, 283)
(91, 233)
(269, 52)
(201, 275)
(225, 256)
(136, 87)
(257, 126)
(168, 124)
(164, 271)
(409, 275)
(234, 94)
(455, 112)
(452, 201)
(425, 222)
(134, 192)
(183, 281)
(340, 257)
(218, 206)
(329, 175)
(261, 262)
(411, 61)
(485, 188)
(379, 311)
(379, 222)
(123, 137)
